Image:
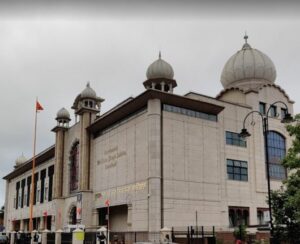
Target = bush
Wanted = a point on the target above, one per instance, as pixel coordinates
(240, 233)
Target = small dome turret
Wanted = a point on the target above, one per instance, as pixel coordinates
(88, 92)
(249, 68)
(20, 160)
(63, 118)
(87, 100)
(160, 69)
(160, 76)
(63, 114)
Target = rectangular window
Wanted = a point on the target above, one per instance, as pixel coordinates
(36, 178)
(273, 111)
(43, 177)
(260, 216)
(23, 192)
(237, 170)
(283, 113)
(189, 112)
(235, 139)
(238, 216)
(17, 194)
(262, 108)
(28, 190)
(50, 184)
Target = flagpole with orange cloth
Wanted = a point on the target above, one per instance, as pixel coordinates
(38, 107)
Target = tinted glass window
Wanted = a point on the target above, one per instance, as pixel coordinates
(276, 151)
(235, 139)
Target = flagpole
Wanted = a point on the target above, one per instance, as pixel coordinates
(33, 172)
(107, 223)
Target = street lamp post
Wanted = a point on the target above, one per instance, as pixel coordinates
(265, 122)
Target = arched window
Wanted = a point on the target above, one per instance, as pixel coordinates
(73, 216)
(276, 151)
(74, 167)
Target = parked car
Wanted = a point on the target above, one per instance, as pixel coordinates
(3, 239)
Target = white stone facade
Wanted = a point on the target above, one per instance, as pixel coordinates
(157, 167)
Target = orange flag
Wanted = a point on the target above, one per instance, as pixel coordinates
(38, 106)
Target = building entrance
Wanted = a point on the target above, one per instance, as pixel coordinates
(118, 216)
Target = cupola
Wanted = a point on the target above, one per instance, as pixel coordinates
(20, 160)
(160, 76)
(87, 100)
(63, 118)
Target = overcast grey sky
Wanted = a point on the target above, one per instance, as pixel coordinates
(52, 50)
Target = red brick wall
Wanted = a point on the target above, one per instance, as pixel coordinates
(262, 235)
(226, 237)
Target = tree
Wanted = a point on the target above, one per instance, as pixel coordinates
(286, 201)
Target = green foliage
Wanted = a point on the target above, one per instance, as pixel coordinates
(240, 233)
(286, 201)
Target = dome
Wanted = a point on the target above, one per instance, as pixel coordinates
(88, 92)
(63, 114)
(160, 69)
(248, 68)
(20, 160)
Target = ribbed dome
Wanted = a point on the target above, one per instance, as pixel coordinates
(248, 68)
(160, 69)
(63, 114)
(20, 160)
(88, 92)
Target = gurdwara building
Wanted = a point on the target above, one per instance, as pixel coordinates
(159, 158)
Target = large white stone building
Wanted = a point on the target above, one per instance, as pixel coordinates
(159, 157)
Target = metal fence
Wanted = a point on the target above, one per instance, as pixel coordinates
(66, 238)
(51, 238)
(131, 237)
(90, 237)
(194, 235)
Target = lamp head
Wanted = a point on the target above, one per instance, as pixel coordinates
(244, 133)
(287, 118)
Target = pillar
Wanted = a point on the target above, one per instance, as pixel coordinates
(166, 235)
(162, 86)
(171, 88)
(22, 225)
(44, 236)
(95, 216)
(86, 119)
(58, 236)
(12, 237)
(59, 159)
(154, 159)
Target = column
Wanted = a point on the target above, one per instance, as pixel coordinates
(171, 88)
(84, 151)
(44, 236)
(154, 174)
(58, 237)
(21, 225)
(59, 158)
(95, 215)
(162, 86)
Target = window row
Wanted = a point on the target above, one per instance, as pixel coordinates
(276, 153)
(189, 112)
(42, 188)
(240, 216)
(273, 110)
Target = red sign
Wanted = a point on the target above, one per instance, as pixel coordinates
(107, 202)
(45, 214)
